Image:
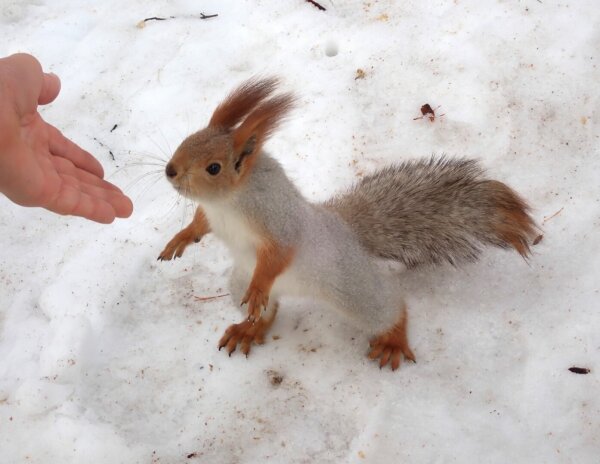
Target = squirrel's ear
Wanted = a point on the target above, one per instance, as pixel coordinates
(241, 101)
(247, 150)
(249, 137)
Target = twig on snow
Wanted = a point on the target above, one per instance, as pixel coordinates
(553, 216)
(104, 146)
(156, 18)
(143, 22)
(320, 7)
(209, 298)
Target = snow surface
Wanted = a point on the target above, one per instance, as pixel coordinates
(106, 357)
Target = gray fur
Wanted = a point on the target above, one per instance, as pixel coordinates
(423, 211)
(269, 194)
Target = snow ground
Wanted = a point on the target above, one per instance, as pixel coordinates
(105, 356)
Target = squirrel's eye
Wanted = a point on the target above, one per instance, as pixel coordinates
(213, 169)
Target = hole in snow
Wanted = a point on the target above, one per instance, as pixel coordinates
(331, 48)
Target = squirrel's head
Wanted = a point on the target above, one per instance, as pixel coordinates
(215, 160)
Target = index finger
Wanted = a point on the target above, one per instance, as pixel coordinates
(63, 147)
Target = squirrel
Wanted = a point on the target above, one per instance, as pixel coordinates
(417, 212)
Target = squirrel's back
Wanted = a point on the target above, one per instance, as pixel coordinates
(436, 210)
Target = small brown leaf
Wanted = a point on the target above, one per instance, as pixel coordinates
(538, 239)
(579, 370)
(426, 109)
(428, 112)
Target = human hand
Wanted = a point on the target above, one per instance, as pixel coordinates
(38, 165)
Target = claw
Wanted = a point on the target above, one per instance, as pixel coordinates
(385, 357)
(396, 360)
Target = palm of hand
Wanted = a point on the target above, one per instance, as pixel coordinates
(60, 177)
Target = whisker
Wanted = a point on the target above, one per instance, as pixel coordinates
(155, 143)
(162, 134)
(135, 164)
(149, 184)
(171, 210)
(173, 205)
(135, 181)
(154, 156)
(186, 199)
(148, 187)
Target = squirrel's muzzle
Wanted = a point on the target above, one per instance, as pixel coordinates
(170, 170)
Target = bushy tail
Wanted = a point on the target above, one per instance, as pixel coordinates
(436, 210)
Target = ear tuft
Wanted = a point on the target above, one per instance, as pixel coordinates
(262, 122)
(241, 101)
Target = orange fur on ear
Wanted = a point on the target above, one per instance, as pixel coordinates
(241, 101)
(260, 124)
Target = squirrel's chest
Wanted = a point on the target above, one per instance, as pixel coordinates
(232, 228)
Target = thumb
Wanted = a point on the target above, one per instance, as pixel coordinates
(50, 88)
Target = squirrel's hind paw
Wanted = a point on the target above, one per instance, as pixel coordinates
(390, 346)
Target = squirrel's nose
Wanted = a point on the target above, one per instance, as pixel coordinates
(170, 170)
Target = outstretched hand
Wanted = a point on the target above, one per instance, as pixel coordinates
(39, 166)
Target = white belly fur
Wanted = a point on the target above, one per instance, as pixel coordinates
(242, 242)
(232, 228)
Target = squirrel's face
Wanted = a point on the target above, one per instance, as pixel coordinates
(204, 166)
(212, 163)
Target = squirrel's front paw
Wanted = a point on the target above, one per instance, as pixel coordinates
(392, 345)
(244, 333)
(257, 301)
(177, 245)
